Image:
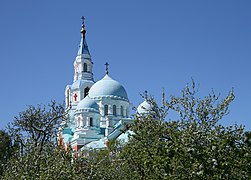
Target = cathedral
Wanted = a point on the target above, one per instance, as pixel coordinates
(97, 111)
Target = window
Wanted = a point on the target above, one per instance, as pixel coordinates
(106, 109)
(78, 122)
(114, 111)
(68, 97)
(91, 121)
(85, 67)
(121, 111)
(102, 131)
(86, 91)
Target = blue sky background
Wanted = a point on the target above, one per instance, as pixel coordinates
(149, 45)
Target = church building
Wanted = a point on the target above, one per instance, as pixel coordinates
(98, 110)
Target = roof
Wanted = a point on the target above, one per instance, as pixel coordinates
(144, 108)
(88, 103)
(83, 48)
(124, 137)
(80, 82)
(107, 87)
(100, 144)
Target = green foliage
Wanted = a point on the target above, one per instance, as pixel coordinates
(34, 134)
(36, 165)
(37, 126)
(193, 145)
(38, 157)
(7, 147)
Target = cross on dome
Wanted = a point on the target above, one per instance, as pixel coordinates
(106, 68)
(83, 20)
(83, 31)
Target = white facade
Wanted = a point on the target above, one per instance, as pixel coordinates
(97, 110)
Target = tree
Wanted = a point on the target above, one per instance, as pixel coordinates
(35, 130)
(194, 146)
(191, 145)
(36, 127)
(6, 149)
(38, 156)
(48, 164)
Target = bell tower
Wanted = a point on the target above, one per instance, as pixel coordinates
(83, 62)
(83, 76)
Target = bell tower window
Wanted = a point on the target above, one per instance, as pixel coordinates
(86, 91)
(85, 67)
(91, 121)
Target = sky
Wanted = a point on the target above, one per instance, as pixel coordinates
(150, 45)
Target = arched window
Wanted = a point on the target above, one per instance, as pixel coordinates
(86, 91)
(76, 122)
(91, 121)
(85, 67)
(114, 110)
(79, 122)
(106, 109)
(121, 111)
(68, 97)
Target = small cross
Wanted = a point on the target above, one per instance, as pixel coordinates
(106, 67)
(83, 20)
(75, 97)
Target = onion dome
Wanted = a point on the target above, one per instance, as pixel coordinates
(107, 87)
(87, 104)
(144, 108)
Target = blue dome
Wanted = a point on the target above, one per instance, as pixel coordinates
(144, 108)
(108, 87)
(87, 103)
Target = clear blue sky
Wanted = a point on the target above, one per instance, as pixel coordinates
(149, 45)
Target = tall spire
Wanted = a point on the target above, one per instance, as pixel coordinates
(83, 48)
(83, 62)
